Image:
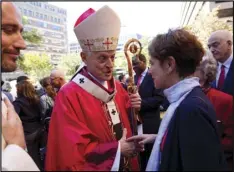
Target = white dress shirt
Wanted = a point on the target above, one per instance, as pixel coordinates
(143, 75)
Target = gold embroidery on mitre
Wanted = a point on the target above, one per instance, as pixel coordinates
(99, 44)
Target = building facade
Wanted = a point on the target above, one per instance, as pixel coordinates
(74, 48)
(51, 22)
(190, 10)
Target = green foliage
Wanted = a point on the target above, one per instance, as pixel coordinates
(69, 63)
(145, 43)
(120, 59)
(32, 36)
(205, 24)
(35, 65)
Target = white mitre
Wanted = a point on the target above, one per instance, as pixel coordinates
(98, 31)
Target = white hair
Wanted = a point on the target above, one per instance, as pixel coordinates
(223, 34)
(58, 73)
(208, 66)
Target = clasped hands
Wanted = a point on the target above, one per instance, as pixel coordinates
(132, 145)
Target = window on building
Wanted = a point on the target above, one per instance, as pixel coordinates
(51, 18)
(45, 6)
(55, 20)
(41, 16)
(45, 17)
(58, 20)
(39, 4)
(25, 12)
(37, 15)
(45, 25)
(29, 12)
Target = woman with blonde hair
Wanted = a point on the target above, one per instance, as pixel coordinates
(222, 102)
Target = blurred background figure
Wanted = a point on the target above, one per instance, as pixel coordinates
(122, 80)
(222, 102)
(57, 79)
(27, 106)
(22, 78)
(47, 100)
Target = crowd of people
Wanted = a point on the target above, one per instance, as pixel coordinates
(87, 123)
(34, 107)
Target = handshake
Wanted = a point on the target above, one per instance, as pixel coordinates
(132, 145)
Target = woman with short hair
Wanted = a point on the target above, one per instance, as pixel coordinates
(188, 138)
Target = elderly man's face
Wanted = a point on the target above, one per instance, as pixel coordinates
(12, 40)
(220, 48)
(100, 64)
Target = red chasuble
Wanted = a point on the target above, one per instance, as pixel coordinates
(80, 134)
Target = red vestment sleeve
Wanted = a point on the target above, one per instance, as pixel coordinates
(71, 144)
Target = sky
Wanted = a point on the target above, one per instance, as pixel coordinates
(145, 18)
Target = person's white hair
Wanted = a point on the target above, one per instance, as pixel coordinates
(57, 73)
(208, 67)
(222, 34)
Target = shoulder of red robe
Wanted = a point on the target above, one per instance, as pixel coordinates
(98, 31)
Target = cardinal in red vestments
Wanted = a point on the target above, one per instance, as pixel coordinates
(89, 123)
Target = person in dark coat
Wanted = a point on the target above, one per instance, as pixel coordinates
(222, 102)
(27, 106)
(188, 137)
(152, 99)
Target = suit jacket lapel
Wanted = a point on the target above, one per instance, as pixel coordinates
(229, 76)
(144, 81)
(135, 79)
